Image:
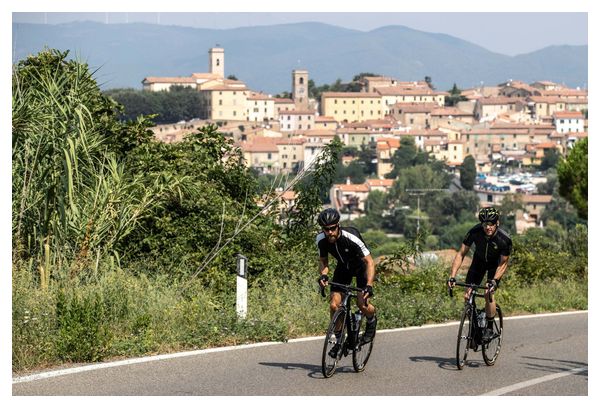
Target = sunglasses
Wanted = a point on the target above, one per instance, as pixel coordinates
(488, 224)
(331, 228)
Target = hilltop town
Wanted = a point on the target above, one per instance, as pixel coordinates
(512, 123)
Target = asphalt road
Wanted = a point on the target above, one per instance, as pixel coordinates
(541, 355)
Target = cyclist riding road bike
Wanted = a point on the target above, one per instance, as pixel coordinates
(354, 259)
(492, 250)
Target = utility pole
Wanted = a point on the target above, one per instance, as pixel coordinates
(419, 192)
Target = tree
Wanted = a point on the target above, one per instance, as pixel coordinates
(429, 83)
(468, 172)
(404, 156)
(454, 97)
(573, 177)
(550, 160)
(232, 77)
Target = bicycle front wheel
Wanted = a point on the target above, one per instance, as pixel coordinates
(491, 349)
(361, 352)
(329, 361)
(463, 342)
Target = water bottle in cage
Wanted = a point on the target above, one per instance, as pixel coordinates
(481, 319)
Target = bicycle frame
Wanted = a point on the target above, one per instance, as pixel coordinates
(345, 305)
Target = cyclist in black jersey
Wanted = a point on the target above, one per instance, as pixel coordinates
(492, 250)
(354, 259)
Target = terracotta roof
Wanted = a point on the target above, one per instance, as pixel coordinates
(349, 95)
(499, 100)
(384, 143)
(545, 145)
(319, 132)
(547, 99)
(254, 147)
(400, 90)
(352, 188)
(297, 112)
(380, 182)
(449, 111)
(535, 198)
(259, 97)
(291, 141)
(166, 80)
(416, 107)
(205, 75)
(324, 119)
(568, 115)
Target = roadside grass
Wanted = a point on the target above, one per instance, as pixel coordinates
(122, 314)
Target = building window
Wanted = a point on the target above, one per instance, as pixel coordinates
(301, 81)
(269, 156)
(220, 101)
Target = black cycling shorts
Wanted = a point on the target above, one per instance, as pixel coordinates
(344, 277)
(477, 273)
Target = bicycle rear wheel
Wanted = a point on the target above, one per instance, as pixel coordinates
(361, 352)
(491, 349)
(463, 341)
(328, 363)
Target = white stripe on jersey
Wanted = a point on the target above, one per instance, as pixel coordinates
(320, 237)
(357, 241)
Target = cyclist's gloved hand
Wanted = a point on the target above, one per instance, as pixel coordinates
(323, 279)
(492, 285)
(368, 291)
(451, 281)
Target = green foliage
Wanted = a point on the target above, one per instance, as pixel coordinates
(550, 160)
(177, 104)
(468, 173)
(454, 97)
(82, 333)
(72, 197)
(573, 177)
(403, 157)
(302, 220)
(538, 255)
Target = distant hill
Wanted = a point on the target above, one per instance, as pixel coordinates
(264, 56)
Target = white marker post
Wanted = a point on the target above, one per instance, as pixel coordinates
(241, 304)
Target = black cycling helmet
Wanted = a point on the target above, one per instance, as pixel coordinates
(328, 216)
(489, 214)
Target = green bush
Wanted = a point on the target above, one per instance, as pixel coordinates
(83, 334)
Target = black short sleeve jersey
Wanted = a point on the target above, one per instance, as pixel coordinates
(488, 250)
(349, 249)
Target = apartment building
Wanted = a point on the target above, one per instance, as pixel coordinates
(568, 121)
(227, 101)
(399, 94)
(283, 104)
(351, 106)
(262, 154)
(447, 116)
(386, 147)
(296, 120)
(291, 153)
(489, 108)
(411, 115)
(259, 107)
(325, 122)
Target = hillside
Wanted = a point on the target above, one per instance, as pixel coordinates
(264, 56)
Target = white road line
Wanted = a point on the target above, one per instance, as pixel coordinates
(529, 383)
(56, 373)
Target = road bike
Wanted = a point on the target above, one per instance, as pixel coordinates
(472, 326)
(350, 329)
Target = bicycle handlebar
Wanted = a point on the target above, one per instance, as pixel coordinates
(345, 288)
(465, 285)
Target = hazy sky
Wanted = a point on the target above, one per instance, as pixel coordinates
(508, 33)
